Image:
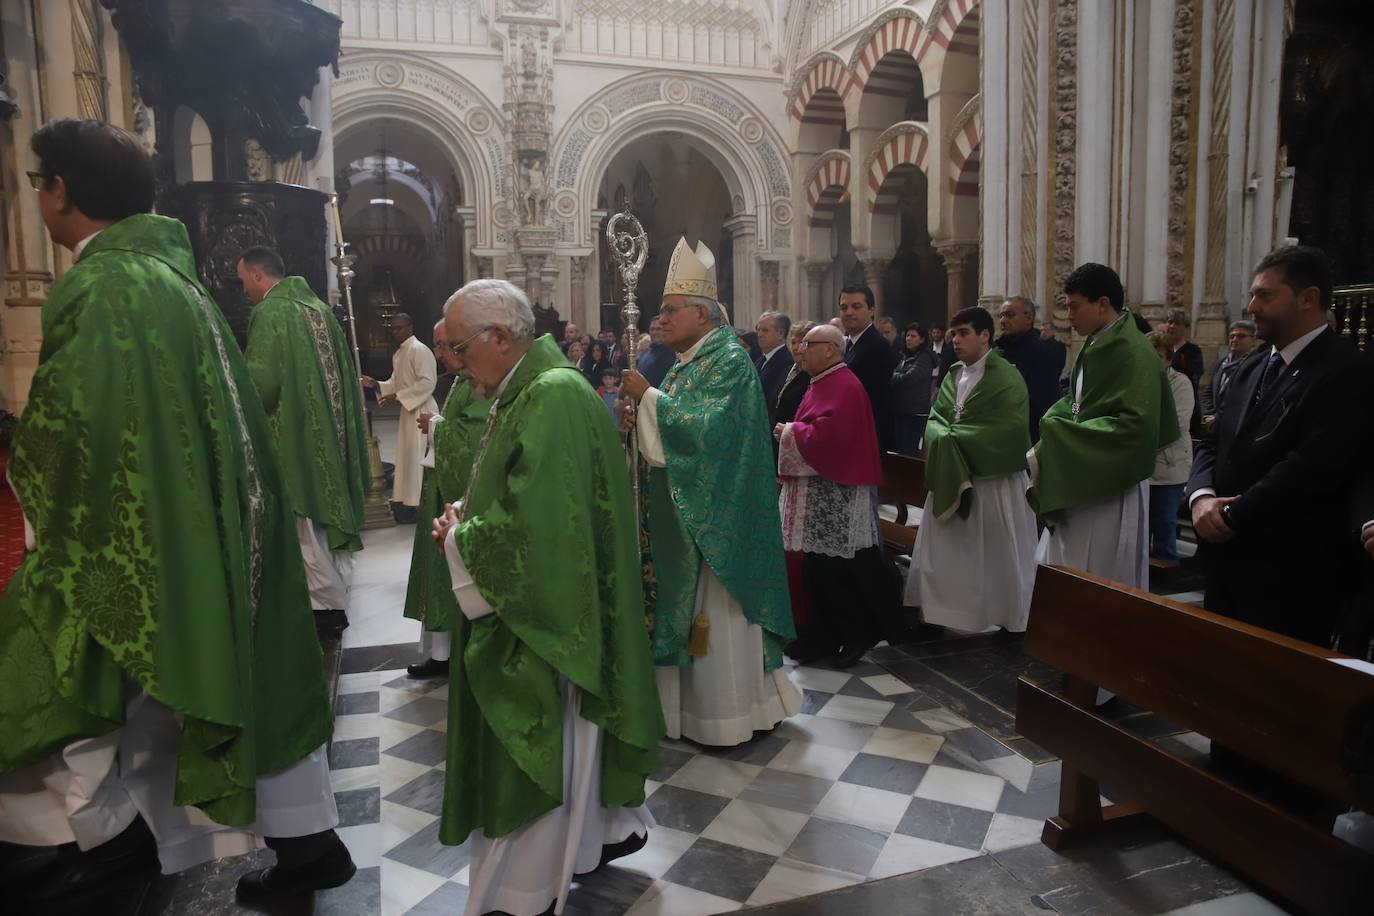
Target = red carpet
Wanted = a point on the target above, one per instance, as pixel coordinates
(11, 528)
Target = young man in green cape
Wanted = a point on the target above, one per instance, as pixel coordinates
(975, 450)
(553, 723)
(1090, 471)
(723, 612)
(303, 370)
(450, 438)
(160, 676)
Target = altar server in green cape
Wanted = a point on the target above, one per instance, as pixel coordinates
(161, 682)
(449, 440)
(553, 722)
(976, 509)
(303, 369)
(723, 611)
(1090, 471)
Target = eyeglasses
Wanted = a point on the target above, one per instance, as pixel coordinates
(806, 344)
(458, 348)
(37, 180)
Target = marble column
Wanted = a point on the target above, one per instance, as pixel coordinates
(995, 173)
(874, 271)
(320, 170)
(577, 273)
(743, 299)
(1096, 29)
(957, 256)
(1154, 260)
(769, 282)
(815, 277)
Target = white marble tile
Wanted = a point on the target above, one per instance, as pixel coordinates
(789, 879)
(917, 747)
(942, 720)
(397, 772)
(856, 709)
(664, 848)
(463, 875)
(726, 778)
(399, 823)
(356, 778)
(368, 725)
(876, 809)
(758, 827)
(1015, 769)
(362, 682)
(888, 685)
(904, 854)
(960, 787)
(664, 899)
(1247, 904)
(1007, 831)
(813, 760)
(394, 731)
(364, 843)
(404, 887)
(819, 679)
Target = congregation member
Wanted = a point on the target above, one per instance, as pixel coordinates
(658, 358)
(784, 411)
(304, 373)
(830, 469)
(944, 355)
(157, 642)
(1240, 343)
(772, 329)
(888, 329)
(576, 351)
(596, 361)
(1040, 363)
(911, 392)
(976, 481)
(1188, 360)
(413, 374)
(750, 341)
(1097, 447)
(869, 357)
(722, 615)
(1172, 463)
(1056, 345)
(1272, 487)
(571, 332)
(609, 389)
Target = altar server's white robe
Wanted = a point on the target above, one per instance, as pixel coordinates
(413, 376)
(1108, 538)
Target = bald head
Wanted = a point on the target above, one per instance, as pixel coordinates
(827, 332)
(822, 348)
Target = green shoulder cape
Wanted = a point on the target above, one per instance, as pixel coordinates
(549, 537)
(1108, 443)
(301, 365)
(716, 500)
(989, 437)
(429, 592)
(166, 556)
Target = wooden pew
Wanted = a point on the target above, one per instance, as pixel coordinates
(904, 486)
(1279, 702)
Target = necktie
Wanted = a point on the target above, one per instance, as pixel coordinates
(1271, 374)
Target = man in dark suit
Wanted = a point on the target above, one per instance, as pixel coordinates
(1272, 485)
(1188, 359)
(869, 356)
(1038, 362)
(1240, 342)
(772, 330)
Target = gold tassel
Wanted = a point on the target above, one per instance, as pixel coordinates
(699, 644)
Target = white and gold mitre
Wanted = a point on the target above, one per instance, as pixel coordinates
(691, 274)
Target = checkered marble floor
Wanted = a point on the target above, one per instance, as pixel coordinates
(873, 779)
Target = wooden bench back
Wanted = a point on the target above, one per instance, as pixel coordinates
(904, 485)
(1278, 701)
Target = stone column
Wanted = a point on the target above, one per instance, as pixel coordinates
(769, 282)
(994, 171)
(1211, 324)
(956, 256)
(1154, 259)
(743, 299)
(577, 274)
(1096, 29)
(874, 271)
(320, 171)
(815, 276)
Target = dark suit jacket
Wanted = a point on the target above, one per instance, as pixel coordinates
(945, 362)
(1188, 360)
(1292, 458)
(772, 373)
(1220, 379)
(1039, 364)
(872, 359)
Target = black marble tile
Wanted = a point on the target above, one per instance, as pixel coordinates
(378, 658)
(1030, 750)
(857, 688)
(813, 700)
(423, 793)
(843, 846)
(610, 890)
(684, 809)
(727, 871)
(672, 760)
(448, 900)
(951, 645)
(198, 891)
(884, 773)
(428, 747)
(789, 791)
(864, 668)
(916, 702)
(360, 897)
(354, 752)
(424, 851)
(417, 684)
(977, 743)
(424, 711)
(960, 700)
(940, 822)
(354, 704)
(906, 721)
(359, 806)
(958, 758)
(759, 751)
(1037, 804)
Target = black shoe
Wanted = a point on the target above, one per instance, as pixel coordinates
(851, 656)
(626, 847)
(405, 515)
(333, 869)
(76, 873)
(430, 667)
(331, 622)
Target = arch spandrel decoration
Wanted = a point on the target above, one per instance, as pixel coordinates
(826, 182)
(718, 121)
(964, 140)
(903, 144)
(826, 70)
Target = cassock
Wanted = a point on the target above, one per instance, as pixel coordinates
(157, 652)
(553, 723)
(300, 364)
(716, 543)
(1090, 471)
(830, 467)
(413, 375)
(976, 516)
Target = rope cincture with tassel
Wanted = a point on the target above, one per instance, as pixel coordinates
(699, 643)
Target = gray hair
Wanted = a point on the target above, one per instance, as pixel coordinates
(778, 318)
(1027, 306)
(715, 311)
(489, 303)
(1246, 325)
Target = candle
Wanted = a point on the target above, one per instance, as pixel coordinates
(338, 223)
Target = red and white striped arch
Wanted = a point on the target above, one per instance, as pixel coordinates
(813, 104)
(901, 149)
(954, 29)
(964, 156)
(827, 185)
(903, 30)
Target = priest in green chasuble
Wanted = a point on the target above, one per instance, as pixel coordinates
(723, 611)
(162, 693)
(303, 370)
(975, 452)
(553, 721)
(1090, 470)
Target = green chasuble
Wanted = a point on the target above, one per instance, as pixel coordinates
(166, 554)
(429, 593)
(1099, 446)
(988, 437)
(300, 362)
(549, 538)
(717, 500)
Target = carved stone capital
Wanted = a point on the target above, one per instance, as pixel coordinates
(957, 255)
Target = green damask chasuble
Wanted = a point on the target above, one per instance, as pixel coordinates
(429, 592)
(301, 364)
(549, 537)
(717, 500)
(166, 552)
(979, 440)
(1097, 446)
